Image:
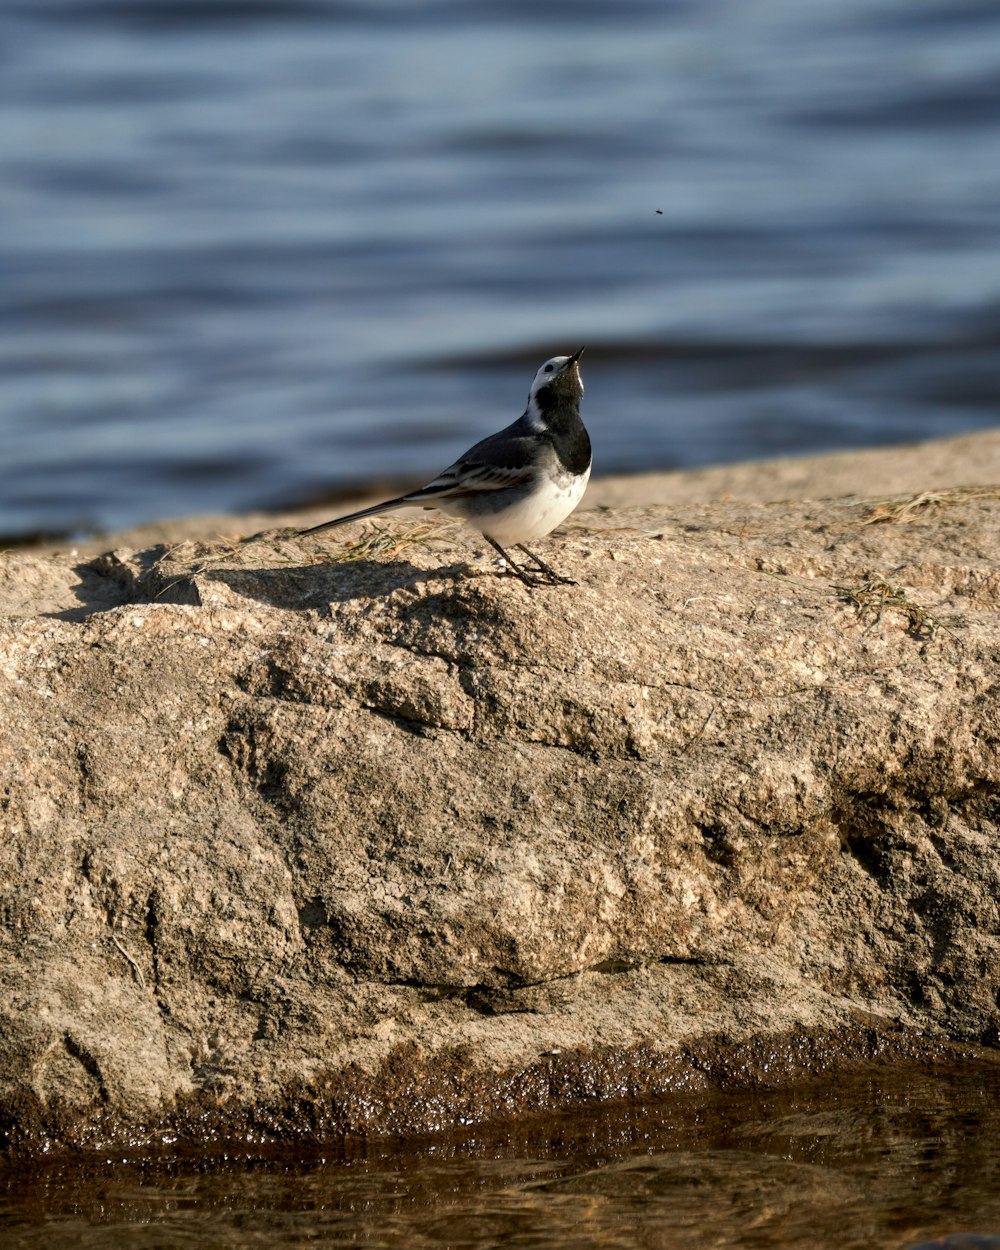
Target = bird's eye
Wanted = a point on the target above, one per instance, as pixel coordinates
(548, 368)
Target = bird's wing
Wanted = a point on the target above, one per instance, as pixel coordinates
(497, 463)
(467, 477)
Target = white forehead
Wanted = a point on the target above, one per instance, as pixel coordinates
(546, 371)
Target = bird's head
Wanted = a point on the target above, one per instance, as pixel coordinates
(560, 377)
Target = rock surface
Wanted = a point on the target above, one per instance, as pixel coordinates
(312, 836)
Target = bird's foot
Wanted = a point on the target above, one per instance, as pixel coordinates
(509, 568)
(542, 567)
(540, 575)
(557, 579)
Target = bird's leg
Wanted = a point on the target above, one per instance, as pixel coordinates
(529, 581)
(544, 568)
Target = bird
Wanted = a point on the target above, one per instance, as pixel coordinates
(520, 483)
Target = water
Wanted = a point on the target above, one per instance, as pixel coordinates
(257, 251)
(865, 1163)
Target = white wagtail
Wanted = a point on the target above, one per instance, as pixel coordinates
(518, 484)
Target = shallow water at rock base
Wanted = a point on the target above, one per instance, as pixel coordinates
(878, 1159)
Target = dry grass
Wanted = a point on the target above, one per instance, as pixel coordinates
(387, 541)
(908, 507)
(874, 596)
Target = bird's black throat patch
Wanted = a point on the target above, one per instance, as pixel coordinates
(566, 432)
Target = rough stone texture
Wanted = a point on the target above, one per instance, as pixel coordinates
(296, 844)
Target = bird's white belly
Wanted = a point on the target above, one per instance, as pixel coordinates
(534, 516)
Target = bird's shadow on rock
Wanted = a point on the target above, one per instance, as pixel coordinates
(108, 583)
(307, 587)
(101, 588)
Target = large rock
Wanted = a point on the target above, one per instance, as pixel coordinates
(297, 843)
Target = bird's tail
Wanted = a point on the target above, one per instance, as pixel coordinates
(357, 516)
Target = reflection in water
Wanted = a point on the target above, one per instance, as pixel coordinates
(880, 1161)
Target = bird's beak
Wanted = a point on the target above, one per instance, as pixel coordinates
(574, 358)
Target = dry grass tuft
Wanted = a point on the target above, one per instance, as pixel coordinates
(386, 541)
(872, 597)
(907, 507)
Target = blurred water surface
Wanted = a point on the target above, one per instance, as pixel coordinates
(253, 251)
(880, 1162)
